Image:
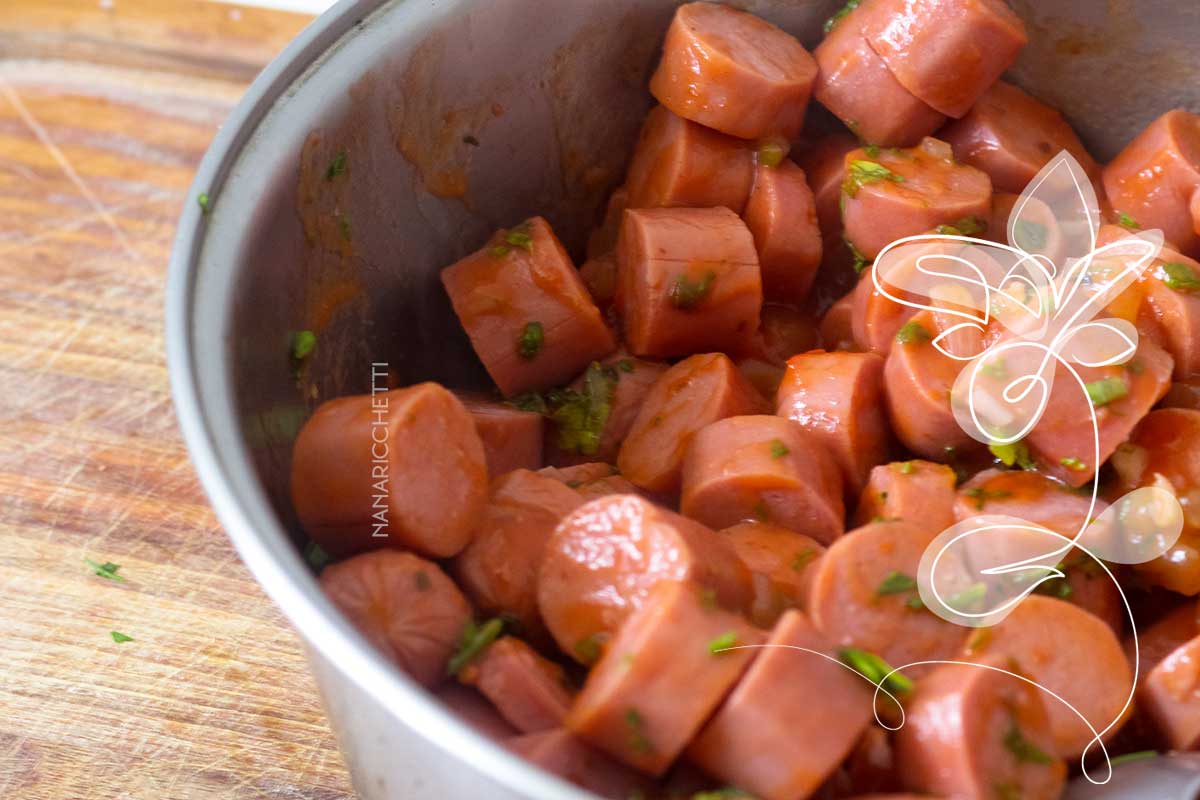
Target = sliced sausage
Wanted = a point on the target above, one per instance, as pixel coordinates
(1154, 643)
(1169, 288)
(405, 468)
(599, 275)
(512, 439)
(734, 72)
(679, 163)
(606, 557)
(1038, 232)
(968, 731)
(891, 194)
(766, 468)
(876, 318)
(562, 753)
(693, 393)
(474, 709)
(688, 281)
(603, 239)
(1170, 697)
(919, 492)
(1011, 136)
(855, 601)
(782, 216)
(1066, 447)
(661, 677)
(1164, 451)
(498, 569)
(946, 52)
(1070, 652)
(824, 166)
(1154, 178)
(592, 479)
(631, 380)
(836, 398)
(1027, 495)
(529, 691)
(781, 563)
(791, 720)
(917, 380)
(529, 316)
(783, 331)
(837, 326)
(403, 605)
(857, 86)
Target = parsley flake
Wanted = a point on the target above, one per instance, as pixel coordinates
(529, 343)
(778, 449)
(912, 332)
(1106, 390)
(474, 640)
(862, 173)
(686, 293)
(107, 570)
(722, 643)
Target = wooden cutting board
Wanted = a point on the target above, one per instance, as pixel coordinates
(106, 107)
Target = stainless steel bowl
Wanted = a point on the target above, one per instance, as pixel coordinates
(458, 117)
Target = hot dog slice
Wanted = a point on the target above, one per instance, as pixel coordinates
(919, 492)
(1070, 652)
(599, 275)
(856, 85)
(562, 753)
(512, 439)
(824, 166)
(781, 563)
(946, 52)
(971, 732)
(498, 569)
(891, 194)
(693, 393)
(404, 605)
(364, 469)
(475, 710)
(837, 326)
(1011, 136)
(876, 318)
(1120, 396)
(606, 557)
(733, 72)
(688, 281)
(862, 596)
(661, 677)
(627, 381)
(791, 720)
(783, 331)
(1169, 288)
(1153, 179)
(1165, 452)
(603, 239)
(529, 691)
(763, 468)
(679, 163)
(1169, 697)
(836, 398)
(782, 216)
(917, 381)
(591, 480)
(529, 316)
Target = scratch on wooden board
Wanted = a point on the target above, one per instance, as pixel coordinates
(64, 163)
(81, 221)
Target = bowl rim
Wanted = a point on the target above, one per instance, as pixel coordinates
(260, 538)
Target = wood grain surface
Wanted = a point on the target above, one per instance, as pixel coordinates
(106, 107)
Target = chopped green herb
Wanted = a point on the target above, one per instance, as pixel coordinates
(316, 556)
(896, 582)
(979, 639)
(303, 344)
(1126, 221)
(500, 250)
(344, 226)
(995, 368)
(915, 602)
(1072, 463)
(1029, 235)
(876, 670)
(1135, 367)
(203, 201)
(912, 332)
(529, 401)
(708, 598)
(862, 173)
(771, 152)
(422, 582)
(802, 558)
(761, 512)
(906, 467)
(625, 365)
(841, 14)
(638, 742)
(1179, 276)
(1006, 791)
(589, 648)
(1013, 454)
(968, 599)
(1055, 587)
(981, 495)
(529, 343)
(519, 237)
(1139, 755)
(860, 261)
(872, 150)
(471, 140)
(723, 642)
(967, 226)
(120, 638)
(778, 449)
(686, 293)
(1024, 750)
(1106, 390)
(337, 166)
(724, 793)
(106, 570)
(474, 640)
(580, 416)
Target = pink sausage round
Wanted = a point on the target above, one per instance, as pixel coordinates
(512, 439)
(529, 691)
(919, 492)
(781, 215)
(781, 563)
